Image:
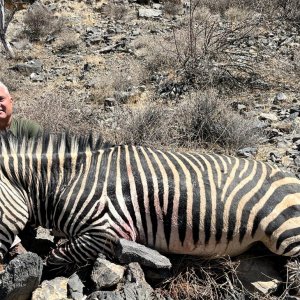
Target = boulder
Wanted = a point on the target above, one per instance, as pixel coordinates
(75, 287)
(128, 251)
(21, 277)
(106, 274)
(55, 289)
(149, 13)
(33, 66)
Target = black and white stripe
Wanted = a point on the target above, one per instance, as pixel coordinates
(200, 204)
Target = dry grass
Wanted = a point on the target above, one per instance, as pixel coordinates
(292, 284)
(172, 7)
(144, 126)
(58, 111)
(205, 51)
(201, 121)
(115, 11)
(195, 278)
(202, 52)
(67, 41)
(116, 77)
(198, 279)
(287, 9)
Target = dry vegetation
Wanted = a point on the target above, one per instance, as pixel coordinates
(198, 122)
(198, 54)
(198, 279)
(40, 22)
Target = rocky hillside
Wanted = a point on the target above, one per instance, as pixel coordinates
(212, 75)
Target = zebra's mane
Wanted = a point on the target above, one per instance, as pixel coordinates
(65, 141)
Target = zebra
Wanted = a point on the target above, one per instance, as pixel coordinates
(208, 205)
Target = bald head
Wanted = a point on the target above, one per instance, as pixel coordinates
(4, 88)
(6, 107)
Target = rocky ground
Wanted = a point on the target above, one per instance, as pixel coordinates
(136, 73)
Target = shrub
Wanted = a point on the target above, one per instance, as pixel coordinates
(172, 7)
(207, 120)
(40, 22)
(290, 10)
(67, 42)
(202, 121)
(202, 52)
(205, 52)
(114, 10)
(144, 126)
(58, 111)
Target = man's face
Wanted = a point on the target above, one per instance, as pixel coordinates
(6, 106)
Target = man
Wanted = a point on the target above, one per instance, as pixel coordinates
(17, 126)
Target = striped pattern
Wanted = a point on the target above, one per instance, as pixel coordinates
(208, 205)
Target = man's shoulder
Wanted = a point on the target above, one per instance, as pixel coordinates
(25, 127)
(25, 122)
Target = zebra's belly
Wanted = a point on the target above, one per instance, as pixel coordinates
(210, 249)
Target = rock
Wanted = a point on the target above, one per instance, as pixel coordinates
(247, 152)
(292, 153)
(136, 32)
(297, 161)
(128, 251)
(55, 289)
(283, 127)
(141, 291)
(107, 295)
(109, 102)
(295, 109)
(37, 77)
(107, 49)
(44, 233)
(106, 274)
(157, 6)
(296, 138)
(135, 273)
(268, 117)
(75, 287)
(149, 13)
(272, 132)
(33, 66)
(275, 156)
(258, 274)
(131, 291)
(22, 45)
(21, 277)
(94, 39)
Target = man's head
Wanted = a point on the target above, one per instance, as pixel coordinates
(6, 107)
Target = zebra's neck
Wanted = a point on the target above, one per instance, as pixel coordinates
(41, 168)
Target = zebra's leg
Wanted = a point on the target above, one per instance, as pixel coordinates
(77, 252)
